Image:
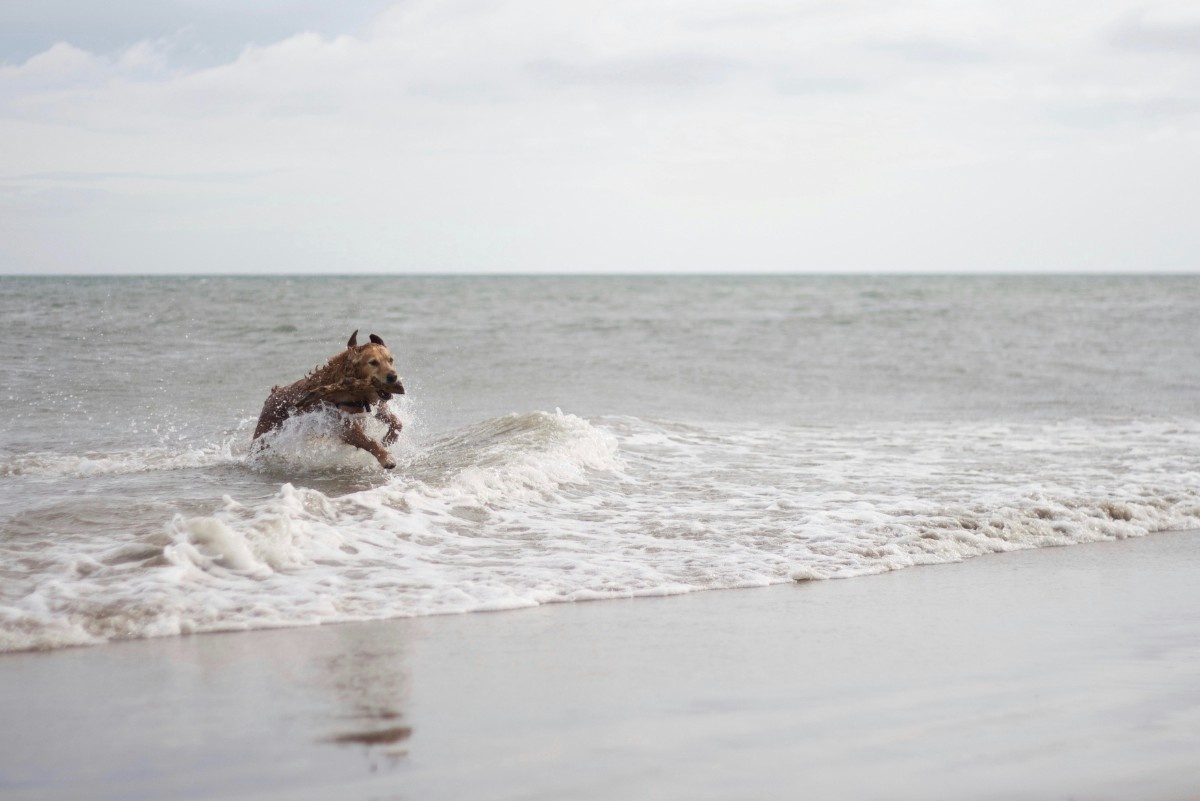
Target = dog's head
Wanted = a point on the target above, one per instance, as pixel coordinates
(373, 361)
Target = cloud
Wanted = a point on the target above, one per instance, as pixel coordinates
(1158, 30)
(933, 51)
(671, 71)
(61, 64)
(199, 33)
(1137, 110)
(522, 135)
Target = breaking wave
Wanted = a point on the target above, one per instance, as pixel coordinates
(548, 507)
(114, 463)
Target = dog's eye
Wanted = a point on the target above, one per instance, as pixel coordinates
(374, 362)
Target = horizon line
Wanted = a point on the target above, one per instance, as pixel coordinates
(625, 274)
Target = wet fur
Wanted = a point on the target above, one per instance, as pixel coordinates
(350, 383)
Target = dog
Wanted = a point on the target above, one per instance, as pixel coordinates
(353, 381)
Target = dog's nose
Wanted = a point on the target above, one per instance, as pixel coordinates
(391, 378)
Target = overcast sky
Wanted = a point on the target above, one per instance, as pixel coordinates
(656, 135)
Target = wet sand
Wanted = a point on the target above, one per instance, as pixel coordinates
(1066, 673)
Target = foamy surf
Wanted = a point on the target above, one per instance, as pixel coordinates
(544, 507)
(115, 463)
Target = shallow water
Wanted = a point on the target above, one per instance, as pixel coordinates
(570, 438)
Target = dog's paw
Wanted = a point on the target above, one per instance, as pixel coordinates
(389, 465)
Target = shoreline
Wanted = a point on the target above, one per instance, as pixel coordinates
(1048, 673)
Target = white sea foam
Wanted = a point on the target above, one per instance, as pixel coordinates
(541, 507)
(309, 444)
(98, 463)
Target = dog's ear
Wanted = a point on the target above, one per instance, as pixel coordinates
(353, 343)
(377, 340)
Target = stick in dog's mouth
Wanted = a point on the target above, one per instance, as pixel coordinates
(394, 388)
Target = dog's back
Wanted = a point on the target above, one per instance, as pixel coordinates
(279, 406)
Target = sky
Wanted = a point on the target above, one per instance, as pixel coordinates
(533, 136)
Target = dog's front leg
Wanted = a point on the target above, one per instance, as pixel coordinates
(384, 415)
(352, 434)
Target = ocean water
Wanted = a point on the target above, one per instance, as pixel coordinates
(569, 438)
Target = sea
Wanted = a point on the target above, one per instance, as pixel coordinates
(569, 439)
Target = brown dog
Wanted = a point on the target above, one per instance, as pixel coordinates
(352, 382)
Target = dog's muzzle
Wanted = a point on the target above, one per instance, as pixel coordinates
(394, 387)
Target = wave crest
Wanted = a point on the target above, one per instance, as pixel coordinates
(98, 463)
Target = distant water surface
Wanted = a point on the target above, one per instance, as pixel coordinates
(570, 438)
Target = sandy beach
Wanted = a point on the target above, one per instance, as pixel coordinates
(1061, 673)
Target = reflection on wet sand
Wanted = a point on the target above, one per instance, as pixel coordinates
(370, 684)
(379, 737)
